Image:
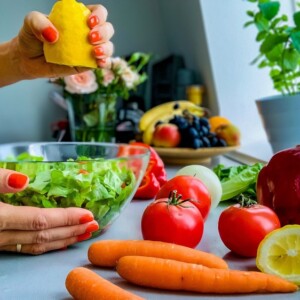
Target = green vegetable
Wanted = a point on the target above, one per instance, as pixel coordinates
(101, 186)
(238, 181)
(279, 44)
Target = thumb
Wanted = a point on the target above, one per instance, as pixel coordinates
(12, 181)
(40, 26)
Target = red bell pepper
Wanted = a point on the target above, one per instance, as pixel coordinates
(278, 185)
(155, 170)
(148, 188)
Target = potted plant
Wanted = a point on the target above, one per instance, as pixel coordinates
(279, 51)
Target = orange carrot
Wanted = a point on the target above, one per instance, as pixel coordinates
(174, 275)
(106, 253)
(84, 284)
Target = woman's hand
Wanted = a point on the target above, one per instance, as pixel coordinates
(35, 230)
(23, 57)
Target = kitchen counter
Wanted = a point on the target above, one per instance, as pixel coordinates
(24, 277)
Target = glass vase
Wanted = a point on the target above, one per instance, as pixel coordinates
(92, 117)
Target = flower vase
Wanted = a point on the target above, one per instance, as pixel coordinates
(92, 117)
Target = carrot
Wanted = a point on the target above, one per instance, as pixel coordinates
(174, 275)
(106, 253)
(84, 284)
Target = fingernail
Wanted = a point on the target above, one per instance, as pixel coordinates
(98, 51)
(49, 34)
(95, 37)
(17, 180)
(84, 237)
(92, 227)
(93, 21)
(86, 218)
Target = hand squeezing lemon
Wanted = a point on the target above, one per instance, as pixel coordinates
(72, 48)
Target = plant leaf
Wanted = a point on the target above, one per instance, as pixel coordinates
(271, 41)
(269, 9)
(295, 36)
(291, 59)
(296, 18)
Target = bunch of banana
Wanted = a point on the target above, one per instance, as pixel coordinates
(163, 113)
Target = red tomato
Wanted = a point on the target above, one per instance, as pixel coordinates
(173, 221)
(242, 228)
(191, 188)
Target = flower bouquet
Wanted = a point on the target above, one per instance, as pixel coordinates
(92, 96)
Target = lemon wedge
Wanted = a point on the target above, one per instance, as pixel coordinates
(279, 253)
(72, 48)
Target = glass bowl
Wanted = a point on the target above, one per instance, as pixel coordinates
(101, 177)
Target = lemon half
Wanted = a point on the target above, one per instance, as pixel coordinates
(73, 47)
(279, 253)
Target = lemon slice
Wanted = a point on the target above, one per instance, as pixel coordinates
(72, 48)
(279, 253)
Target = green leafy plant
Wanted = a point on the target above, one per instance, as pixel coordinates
(279, 44)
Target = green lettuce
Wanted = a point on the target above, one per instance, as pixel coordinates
(102, 186)
(238, 180)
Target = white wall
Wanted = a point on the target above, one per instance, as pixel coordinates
(25, 109)
(238, 84)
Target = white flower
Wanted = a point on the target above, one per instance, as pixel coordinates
(82, 83)
(108, 77)
(119, 65)
(131, 78)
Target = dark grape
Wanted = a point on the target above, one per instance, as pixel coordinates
(206, 142)
(197, 143)
(221, 143)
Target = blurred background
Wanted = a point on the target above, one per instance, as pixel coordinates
(206, 35)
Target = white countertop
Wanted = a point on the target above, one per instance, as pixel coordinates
(42, 277)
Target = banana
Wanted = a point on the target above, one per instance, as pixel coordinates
(165, 117)
(167, 108)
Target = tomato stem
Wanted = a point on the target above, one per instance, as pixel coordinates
(246, 201)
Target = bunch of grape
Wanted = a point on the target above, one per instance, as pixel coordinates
(195, 132)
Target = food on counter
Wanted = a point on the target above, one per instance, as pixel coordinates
(208, 177)
(189, 187)
(180, 276)
(173, 220)
(155, 175)
(230, 134)
(106, 253)
(238, 181)
(162, 114)
(167, 109)
(216, 121)
(84, 284)
(278, 185)
(72, 48)
(243, 226)
(166, 135)
(99, 185)
(279, 253)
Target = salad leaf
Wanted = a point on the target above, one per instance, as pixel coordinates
(238, 180)
(102, 186)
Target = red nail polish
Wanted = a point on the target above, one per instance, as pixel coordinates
(84, 237)
(17, 180)
(49, 34)
(93, 21)
(85, 219)
(99, 51)
(95, 37)
(92, 227)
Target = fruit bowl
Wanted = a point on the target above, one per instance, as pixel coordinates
(101, 177)
(189, 156)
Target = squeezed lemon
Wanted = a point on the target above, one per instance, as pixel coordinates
(72, 47)
(279, 253)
